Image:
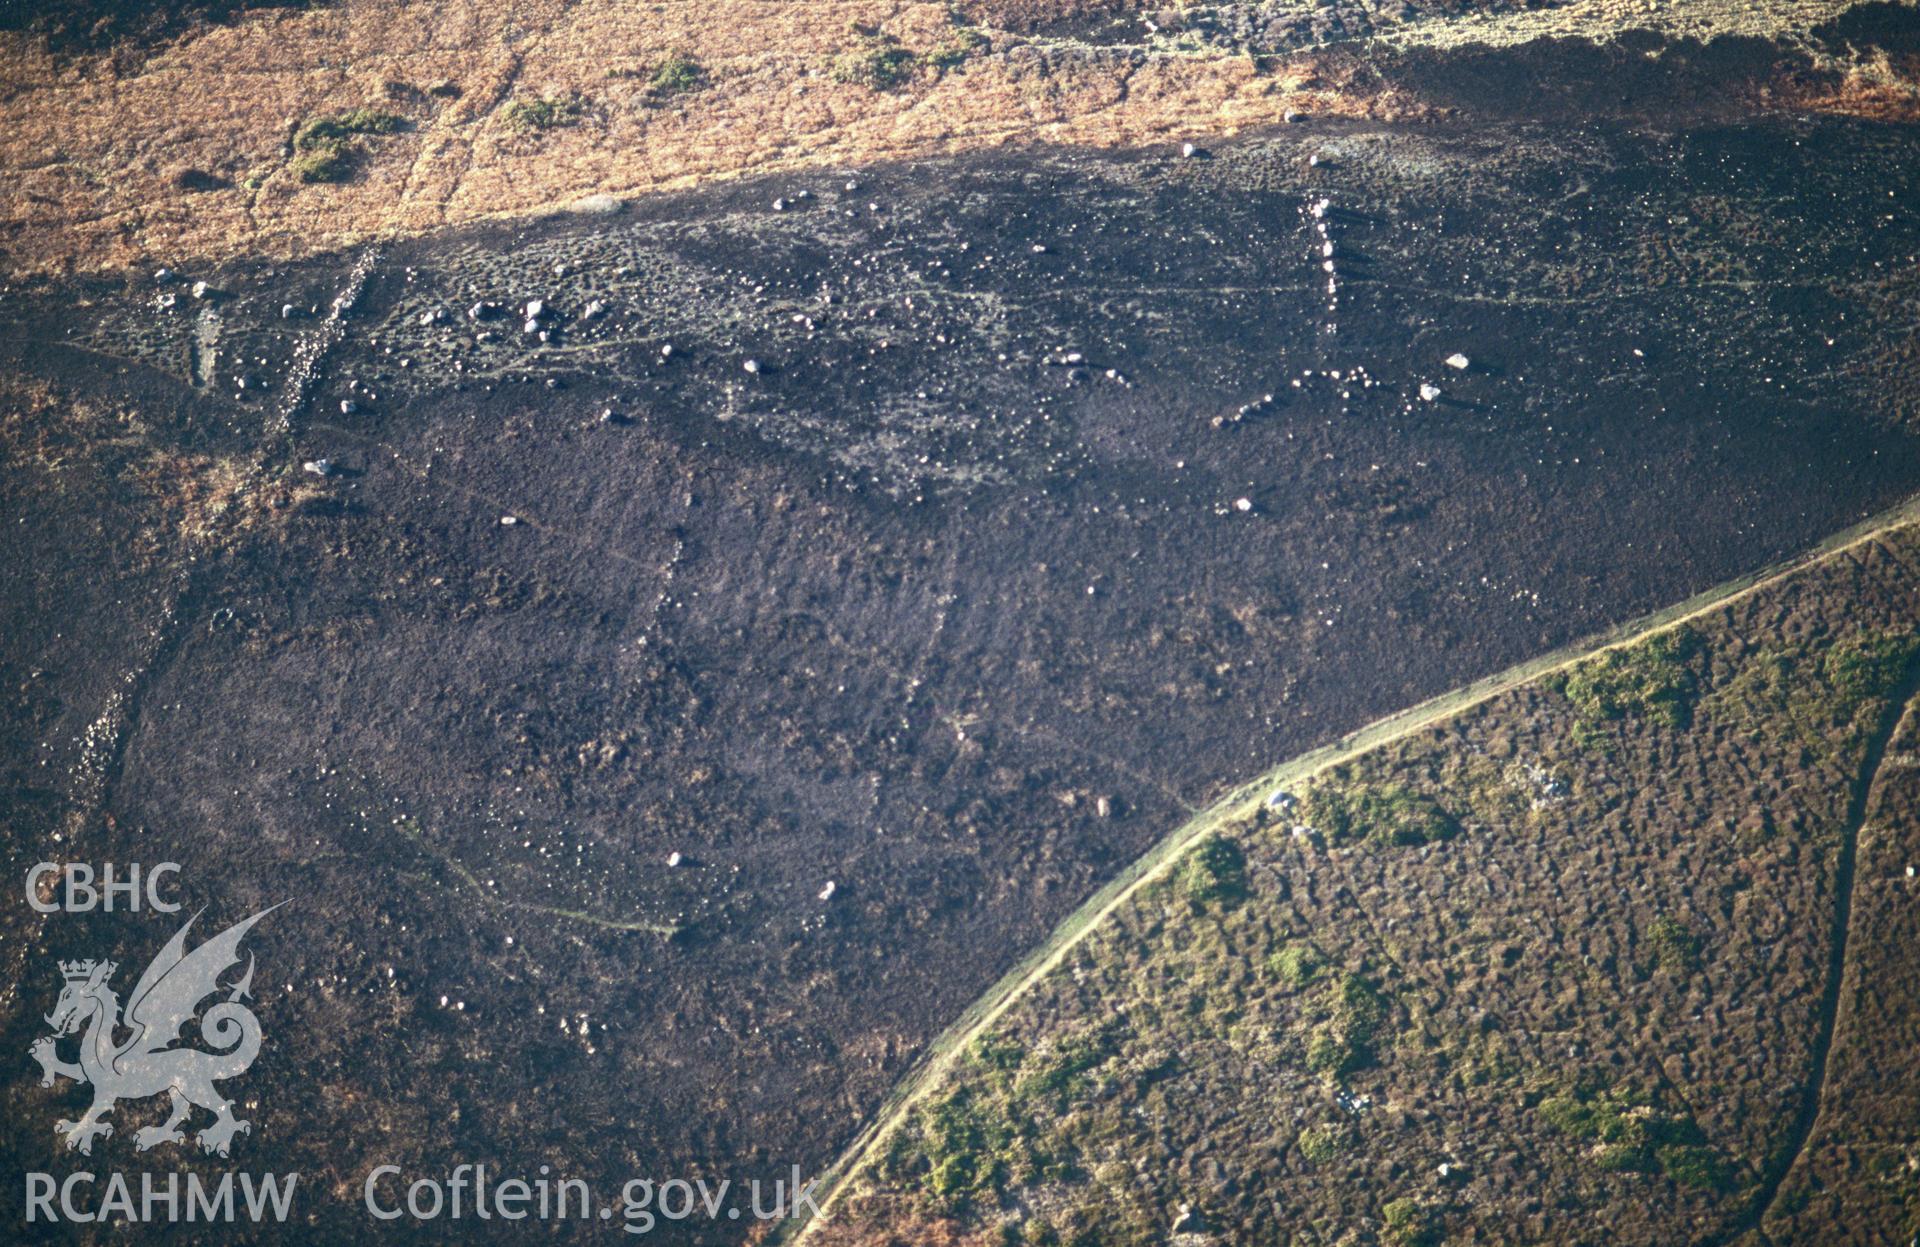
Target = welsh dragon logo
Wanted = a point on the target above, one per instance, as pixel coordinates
(168, 994)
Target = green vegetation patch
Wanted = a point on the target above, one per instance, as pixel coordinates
(533, 115)
(1676, 946)
(1215, 873)
(1384, 814)
(319, 132)
(1297, 964)
(987, 1132)
(679, 72)
(1868, 666)
(1649, 681)
(328, 164)
(1811, 688)
(1632, 1136)
(324, 147)
(1410, 1223)
(1321, 1144)
(1353, 1013)
(877, 63)
(953, 51)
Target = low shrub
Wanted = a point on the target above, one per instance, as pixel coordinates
(318, 133)
(1410, 1223)
(1386, 814)
(1675, 945)
(1634, 1137)
(952, 51)
(1320, 1144)
(1691, 1164)
(679, 72)
(1649, 681)
(541, 114)
(1215, 872)
(324, 147)
(1297, 964)
(1868, 666)
(876, 63)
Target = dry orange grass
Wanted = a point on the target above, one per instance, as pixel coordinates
(91, 153)
(90, 148)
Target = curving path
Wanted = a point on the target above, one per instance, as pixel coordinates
(1242, 802)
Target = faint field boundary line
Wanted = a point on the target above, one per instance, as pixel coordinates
(1242, 801)
(490, 897)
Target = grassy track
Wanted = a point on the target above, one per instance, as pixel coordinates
(1240, 804)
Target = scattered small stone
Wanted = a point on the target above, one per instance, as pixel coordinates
(752, 365)
(1243, 505)
(1459, 361)
(674, 858)
(666, 350)
(288, 311)
(536, 308)
(779, 205)
(1039, 248)
(826, 893)
(1295, 115)
(481, 310)
(1188, 150)
(433, 317)
(318, 467)
(531, 326)
(348, 407)
(1103, 807)
(592, 310)
(508, 521)
(201, 289)
(162, 276)
(1319, 208)
(555, 383)
(1429, 392)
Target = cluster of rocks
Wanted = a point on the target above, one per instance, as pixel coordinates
(1285, 25)
(1244, 410)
